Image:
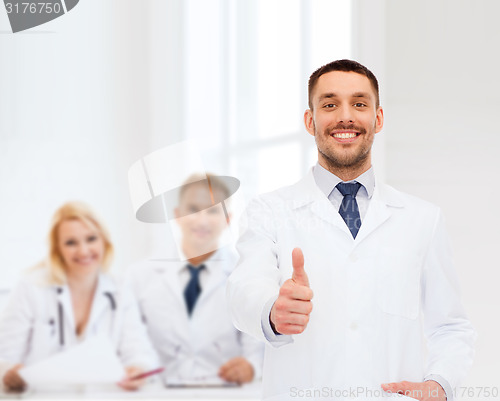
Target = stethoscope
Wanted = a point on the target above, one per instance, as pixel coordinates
(60, 313)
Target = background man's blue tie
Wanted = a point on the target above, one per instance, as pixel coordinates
(193, 289)
(349, 206)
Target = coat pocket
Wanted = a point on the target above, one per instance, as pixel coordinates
(398, 284)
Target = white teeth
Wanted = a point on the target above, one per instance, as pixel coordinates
(345, 135)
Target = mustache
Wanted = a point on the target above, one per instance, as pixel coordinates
(350, 127)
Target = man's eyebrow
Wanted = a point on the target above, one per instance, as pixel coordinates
(361, 94)
(331, 95)
(327, 96)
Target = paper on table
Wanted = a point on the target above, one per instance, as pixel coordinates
(209, 381)
(92, 361)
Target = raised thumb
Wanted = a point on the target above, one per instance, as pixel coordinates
(299, 274)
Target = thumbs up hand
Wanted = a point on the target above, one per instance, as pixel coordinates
(290, 313)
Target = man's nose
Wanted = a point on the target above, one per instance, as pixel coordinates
(345, 115)
(202, 217)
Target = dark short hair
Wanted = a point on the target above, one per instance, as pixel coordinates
(346, 66)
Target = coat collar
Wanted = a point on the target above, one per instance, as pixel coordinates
(384, 201)
(306, 191)
(105, 284)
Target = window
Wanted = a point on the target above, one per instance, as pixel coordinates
(248, 63)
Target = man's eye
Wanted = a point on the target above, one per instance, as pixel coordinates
(329, 106)
(359, 105)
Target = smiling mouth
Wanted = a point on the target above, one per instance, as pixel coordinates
(86, 261)
(345, 135)
(201, 232)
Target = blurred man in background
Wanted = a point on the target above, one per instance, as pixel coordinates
(183, 301)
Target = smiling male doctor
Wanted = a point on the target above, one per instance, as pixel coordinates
(376, 260)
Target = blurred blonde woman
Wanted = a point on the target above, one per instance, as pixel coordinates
(69, 298)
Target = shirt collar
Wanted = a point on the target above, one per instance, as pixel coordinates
(327, 181)
(209, 263)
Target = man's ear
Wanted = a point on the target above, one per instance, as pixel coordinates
(309, 121)
(379, 122)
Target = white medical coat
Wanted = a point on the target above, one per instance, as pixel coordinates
(192, 349)
(377, 298)
(30, 324)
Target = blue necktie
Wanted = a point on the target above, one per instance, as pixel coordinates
(193, 289)
(349, 206)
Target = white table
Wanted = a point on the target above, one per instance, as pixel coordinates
(249, 392)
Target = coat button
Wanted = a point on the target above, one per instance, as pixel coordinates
(354, 326)
(353, 258)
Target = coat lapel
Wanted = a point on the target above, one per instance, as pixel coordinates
(216, 278)
(172, 281)
(104, 297)
(64, 299)
(168, 267)
(325, 211)
(309, 194)
(384, 202)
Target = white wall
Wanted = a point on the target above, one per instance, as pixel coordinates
(74, 115)
(441, 138)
